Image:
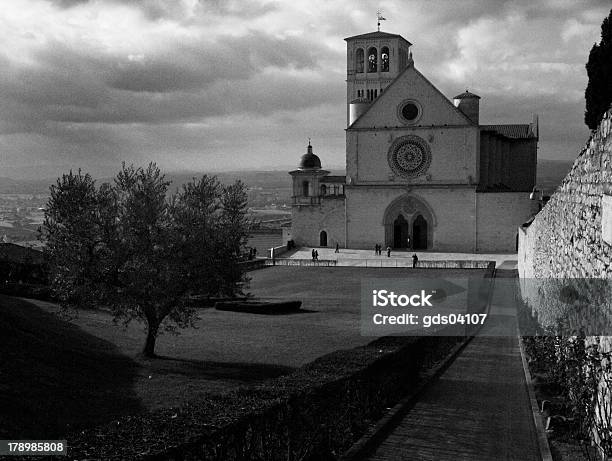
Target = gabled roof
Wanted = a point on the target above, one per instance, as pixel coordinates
(396, 79)
(378, 34)
(514, 131)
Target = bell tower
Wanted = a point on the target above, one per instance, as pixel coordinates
(373, 60)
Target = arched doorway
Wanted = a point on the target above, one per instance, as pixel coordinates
(409, 207)
(419, 233)
(323, 239)
(400, 232)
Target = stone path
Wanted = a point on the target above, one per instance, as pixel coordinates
(478, 410)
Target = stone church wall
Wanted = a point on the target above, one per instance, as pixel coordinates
(454, 210)
(308, 221)
(497, 217)
(452, 150)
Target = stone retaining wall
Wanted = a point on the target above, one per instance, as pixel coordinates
(565, 238)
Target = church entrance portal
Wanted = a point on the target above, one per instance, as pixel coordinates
(400, 232)
(409, 222)
(419, 233)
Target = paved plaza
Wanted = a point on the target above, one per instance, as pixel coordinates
(399, 258)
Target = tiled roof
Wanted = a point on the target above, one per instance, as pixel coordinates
(378, 34)
(522, 131)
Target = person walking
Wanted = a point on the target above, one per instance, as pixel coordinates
(316, 255)
(415, 260)
(337, 248)
(313, 254)
(388, 252)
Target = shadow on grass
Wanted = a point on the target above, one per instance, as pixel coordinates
(54, 377)
(229, 371)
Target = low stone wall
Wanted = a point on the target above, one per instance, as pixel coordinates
(392, 262)
(301, 262)
(315, 413)
(275, 252)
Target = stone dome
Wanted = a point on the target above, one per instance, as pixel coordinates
(467, 95)
(309, 160)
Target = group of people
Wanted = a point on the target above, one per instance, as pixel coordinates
(378, 250)
(315, 255)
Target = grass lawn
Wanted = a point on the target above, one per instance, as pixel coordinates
(88, 371)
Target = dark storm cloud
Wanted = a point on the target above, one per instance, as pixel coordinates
(158, 9)
(196, 66)
(184, 83)
(104, 80)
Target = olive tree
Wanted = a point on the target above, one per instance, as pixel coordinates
(135, 249)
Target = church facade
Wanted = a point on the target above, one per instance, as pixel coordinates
(422, 173)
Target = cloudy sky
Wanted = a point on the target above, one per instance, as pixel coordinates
(231, 84)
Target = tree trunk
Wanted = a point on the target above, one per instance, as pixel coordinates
(149, 349)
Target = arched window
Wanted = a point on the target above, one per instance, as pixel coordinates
(305, 187)
(359, 61)
(323, 189)
(372, 60)
(384, 59)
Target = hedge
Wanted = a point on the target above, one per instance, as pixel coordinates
(314, 413)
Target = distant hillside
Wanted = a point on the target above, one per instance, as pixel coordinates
(551, 173)
(25, 186)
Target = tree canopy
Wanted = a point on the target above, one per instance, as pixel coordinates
(598, 92)
(131, 247)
